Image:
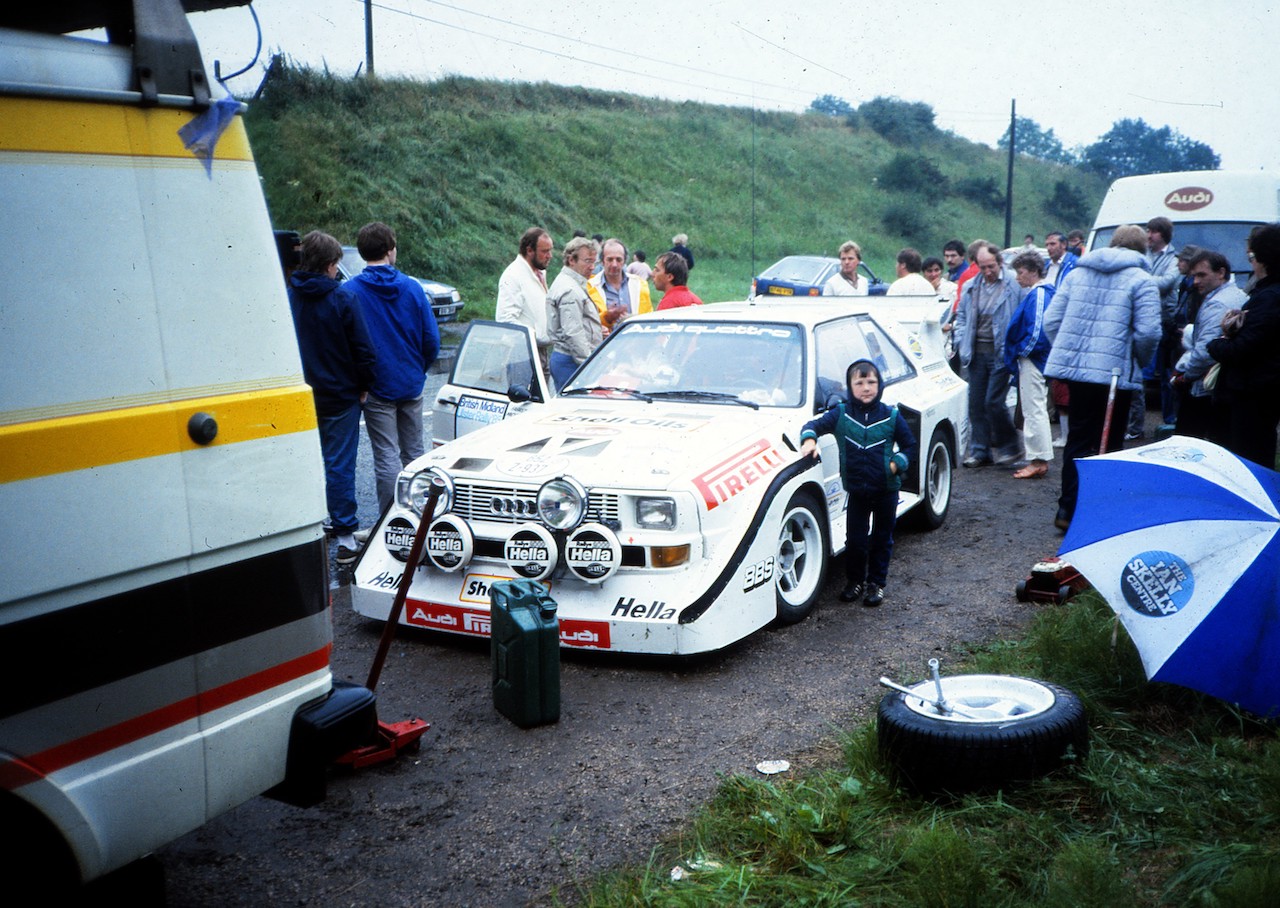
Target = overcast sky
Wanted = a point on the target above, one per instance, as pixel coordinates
(1198, 67)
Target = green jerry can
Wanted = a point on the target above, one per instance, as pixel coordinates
(524, 644)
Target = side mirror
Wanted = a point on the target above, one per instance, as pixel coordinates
(518, 395)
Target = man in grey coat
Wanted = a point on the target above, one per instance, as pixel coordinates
(1103, 321)
(987, 302)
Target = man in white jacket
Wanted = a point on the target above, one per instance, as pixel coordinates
(522, 289)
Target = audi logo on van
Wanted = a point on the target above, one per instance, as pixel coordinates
(1189, 198)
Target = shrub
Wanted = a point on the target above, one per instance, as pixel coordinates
(913, 173)
(901, 122)
(907, 221)
(982, 191)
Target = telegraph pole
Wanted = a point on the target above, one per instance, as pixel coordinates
(1008, 186)
(368, 36)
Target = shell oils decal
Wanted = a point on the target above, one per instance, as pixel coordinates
(733, 474)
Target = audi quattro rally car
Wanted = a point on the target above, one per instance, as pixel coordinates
(660, 497)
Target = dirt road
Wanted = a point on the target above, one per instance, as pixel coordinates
(490, 815)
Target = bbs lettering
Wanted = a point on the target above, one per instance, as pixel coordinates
(757, 575)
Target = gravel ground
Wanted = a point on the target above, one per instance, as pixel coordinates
(487, 814)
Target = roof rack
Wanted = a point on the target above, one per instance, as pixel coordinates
(166, 57)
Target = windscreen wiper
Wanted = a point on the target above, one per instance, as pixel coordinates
(639, 395)
(707, 395)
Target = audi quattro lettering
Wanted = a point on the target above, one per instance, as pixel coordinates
(661, 497)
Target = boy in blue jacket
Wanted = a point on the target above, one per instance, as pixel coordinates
(867, 432)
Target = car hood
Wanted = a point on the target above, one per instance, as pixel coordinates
(435, 288)
(630, 444)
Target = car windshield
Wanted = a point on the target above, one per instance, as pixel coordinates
(1228, 237)
(798, 269)
(352, 264)
(729, 362)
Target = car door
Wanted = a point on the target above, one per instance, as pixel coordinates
(496, 374)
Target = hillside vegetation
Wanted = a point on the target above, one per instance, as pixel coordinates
(461, 167)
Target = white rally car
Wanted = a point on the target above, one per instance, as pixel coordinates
(660, 497)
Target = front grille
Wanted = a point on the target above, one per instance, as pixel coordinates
(497, 503)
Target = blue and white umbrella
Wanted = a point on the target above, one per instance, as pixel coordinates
(1180, 537)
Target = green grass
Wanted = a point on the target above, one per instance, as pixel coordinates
(461, 167)
(1176, 804)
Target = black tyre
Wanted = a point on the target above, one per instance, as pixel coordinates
(1012, 730)
(937, 466)
(1020, 591)
(800, 562)
(1064, 593)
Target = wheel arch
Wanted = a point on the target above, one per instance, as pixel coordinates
(811, 483)
(39, 849)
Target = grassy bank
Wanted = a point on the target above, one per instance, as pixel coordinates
(1176, 804)
(461, 167)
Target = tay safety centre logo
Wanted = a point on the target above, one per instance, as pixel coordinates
(1157, 584)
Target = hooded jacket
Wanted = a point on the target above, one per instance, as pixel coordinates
(337, 356)
(402, 328)
(865, 436)
(1104, 316)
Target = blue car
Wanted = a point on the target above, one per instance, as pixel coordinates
(804, 275)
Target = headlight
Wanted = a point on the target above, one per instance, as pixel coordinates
(562, 503)
(456, 296)
(411, 491)
(656, 513)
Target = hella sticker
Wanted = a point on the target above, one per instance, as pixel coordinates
(530, 551)
(397, 536)
(593, 553)
(450, 543)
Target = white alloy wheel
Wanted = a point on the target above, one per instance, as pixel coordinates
(801, 559)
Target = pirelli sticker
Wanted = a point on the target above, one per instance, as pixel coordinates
(733, 474)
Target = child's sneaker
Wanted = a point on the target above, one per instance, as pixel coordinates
(875, 595)
(852, 592)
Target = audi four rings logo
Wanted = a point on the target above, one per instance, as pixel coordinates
(514, 507)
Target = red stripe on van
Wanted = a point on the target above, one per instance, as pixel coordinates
(16, 774)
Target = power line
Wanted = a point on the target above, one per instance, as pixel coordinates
(575, 58)
(621, 50)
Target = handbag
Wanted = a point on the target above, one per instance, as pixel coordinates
(1211, 377)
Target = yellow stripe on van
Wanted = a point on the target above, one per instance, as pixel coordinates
(80, 127)
(65, 444)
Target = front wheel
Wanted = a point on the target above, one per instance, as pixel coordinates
(801, 558)
(1002, 729)
(935, 482)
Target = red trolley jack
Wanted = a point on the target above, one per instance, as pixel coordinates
(392, 738)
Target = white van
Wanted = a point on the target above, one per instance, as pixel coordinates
(165, 629)
(1212, 209)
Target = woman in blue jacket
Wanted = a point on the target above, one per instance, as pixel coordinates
(1026, 350)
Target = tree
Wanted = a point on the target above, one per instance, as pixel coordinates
(901, 122)
(1036, 142)
(831, 106)
(1067, 204)
(1131, 147)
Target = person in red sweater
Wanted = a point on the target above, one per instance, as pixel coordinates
(671, 276)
